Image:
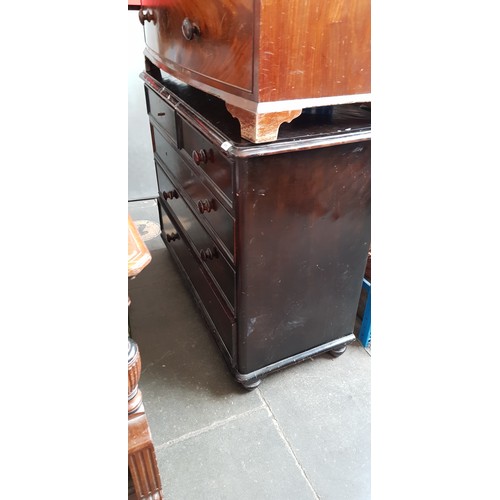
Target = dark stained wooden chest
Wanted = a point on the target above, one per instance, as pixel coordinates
(272, 239)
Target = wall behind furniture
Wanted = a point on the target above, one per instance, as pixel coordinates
(141, 171)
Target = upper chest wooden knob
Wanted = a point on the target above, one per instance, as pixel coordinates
(147, 15)
(190, 29)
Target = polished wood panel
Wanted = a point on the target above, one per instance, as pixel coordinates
(313, 49)
(303, 237)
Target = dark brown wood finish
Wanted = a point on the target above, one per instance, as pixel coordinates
(304, 232)
(202, 242)
(268, 60)
(214, 308)
(297, 217)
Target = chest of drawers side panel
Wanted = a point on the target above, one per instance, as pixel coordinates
(303, 234)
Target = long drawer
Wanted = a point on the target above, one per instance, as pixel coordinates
(206, 249)
(208, 299)
(199, 197)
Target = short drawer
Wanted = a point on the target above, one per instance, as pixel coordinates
(208, 158)
(201, 198)
(213, 307)
(207, 251)
(161, 112)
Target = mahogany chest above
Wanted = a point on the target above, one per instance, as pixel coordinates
(266, 59)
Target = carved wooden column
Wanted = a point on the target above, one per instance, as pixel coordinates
(141, 453)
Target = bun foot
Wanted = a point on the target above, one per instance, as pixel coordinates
(338, 352)
(251, 385)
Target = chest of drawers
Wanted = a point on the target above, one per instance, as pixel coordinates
(266, 59)
(272, 239)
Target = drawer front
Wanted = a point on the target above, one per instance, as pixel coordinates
(202, 37)
(161, 112)
(207, 251)
(201, 198)
(222, 319)
(170, 158)
(203, 153)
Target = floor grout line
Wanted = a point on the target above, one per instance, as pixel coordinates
(287, 444)
(208, 428)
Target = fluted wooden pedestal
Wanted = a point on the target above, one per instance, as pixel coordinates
(141, 453)
(142, 462)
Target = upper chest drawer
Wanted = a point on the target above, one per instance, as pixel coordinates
(212, 39)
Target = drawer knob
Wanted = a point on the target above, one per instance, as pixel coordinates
(170, 195)
(209, 254)
(203, 156)
(146, 15)
(172, 237)
(190, 29)
(206, 205)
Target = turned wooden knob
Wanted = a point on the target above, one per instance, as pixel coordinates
(202, 156)
(206, 205)
(172, 237)
(146, 15)
(190, 29)
(209, 254)
(170, 195)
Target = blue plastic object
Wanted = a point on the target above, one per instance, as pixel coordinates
(365, 332)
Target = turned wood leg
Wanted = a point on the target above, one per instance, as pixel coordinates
(261, 127)
(141, 453)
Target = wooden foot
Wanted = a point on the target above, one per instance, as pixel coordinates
(141, 453)
(261, 127)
